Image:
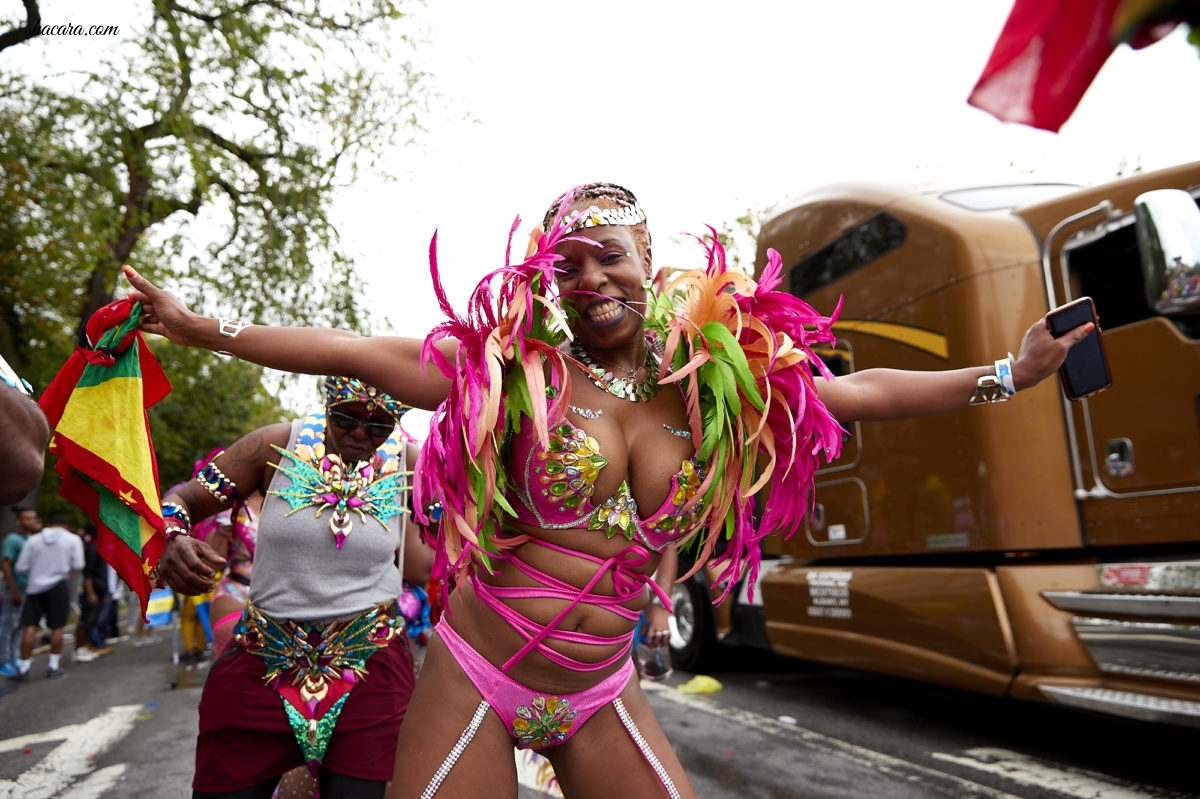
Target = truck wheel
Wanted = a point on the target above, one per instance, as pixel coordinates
(693, 644)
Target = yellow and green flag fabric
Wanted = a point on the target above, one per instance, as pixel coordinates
(97, 406)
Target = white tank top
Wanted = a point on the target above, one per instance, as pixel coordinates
(299, 571)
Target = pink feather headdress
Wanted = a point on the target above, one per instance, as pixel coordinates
(741, 349)
(513, 324)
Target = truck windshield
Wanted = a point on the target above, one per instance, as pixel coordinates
(994, 198)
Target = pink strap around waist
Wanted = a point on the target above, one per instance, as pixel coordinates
(627, 585)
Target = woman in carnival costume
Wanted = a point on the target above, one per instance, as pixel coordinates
(585, 426)
(320, 671)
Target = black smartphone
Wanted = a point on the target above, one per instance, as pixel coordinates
(1085, 371)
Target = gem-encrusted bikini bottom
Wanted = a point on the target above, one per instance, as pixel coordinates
(313, 666)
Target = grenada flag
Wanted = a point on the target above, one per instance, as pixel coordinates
(97, 406)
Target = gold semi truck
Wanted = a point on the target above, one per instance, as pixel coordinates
(1039, 548)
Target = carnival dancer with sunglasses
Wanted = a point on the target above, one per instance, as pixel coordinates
(320, 671)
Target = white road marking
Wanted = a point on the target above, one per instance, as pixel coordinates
(1030, 771)
(904, 770)
(73, 758)
(96, 784)
(24, 741)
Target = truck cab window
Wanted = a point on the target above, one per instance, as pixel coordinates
(1107, 269)
(855, 248)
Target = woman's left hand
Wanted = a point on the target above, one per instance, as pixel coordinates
(1041, 353)
(658, 629)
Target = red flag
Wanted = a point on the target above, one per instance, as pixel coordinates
(1050, 51)
(97, 405)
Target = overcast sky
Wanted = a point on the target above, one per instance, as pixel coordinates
(707, 109)
(704, 109)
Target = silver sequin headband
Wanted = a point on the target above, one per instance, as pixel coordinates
(598, 217)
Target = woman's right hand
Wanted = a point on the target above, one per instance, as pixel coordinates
(189, 565)
(162, 312)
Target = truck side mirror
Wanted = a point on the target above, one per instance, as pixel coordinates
(1168, 234)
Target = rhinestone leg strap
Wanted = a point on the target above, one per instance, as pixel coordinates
(443, 771)
(646, 751)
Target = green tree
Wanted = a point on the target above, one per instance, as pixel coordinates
(214, 401)
(206, 151)
(205, 148)
(740, 237)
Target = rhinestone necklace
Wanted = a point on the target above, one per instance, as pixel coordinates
(631, 372)
(625, 388)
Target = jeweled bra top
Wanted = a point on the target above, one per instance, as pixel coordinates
(555, 488)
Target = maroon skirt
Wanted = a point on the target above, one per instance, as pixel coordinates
(245, 738)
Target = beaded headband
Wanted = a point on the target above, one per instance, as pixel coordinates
(340, 390)
(598, 217)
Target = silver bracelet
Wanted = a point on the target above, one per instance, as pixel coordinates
(988, 389)
(231, 327)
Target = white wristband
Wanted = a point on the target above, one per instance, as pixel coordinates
(1005, 376)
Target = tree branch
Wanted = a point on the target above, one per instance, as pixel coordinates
(315, 20)
(31, 28)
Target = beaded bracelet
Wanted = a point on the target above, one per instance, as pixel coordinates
(173, 511)
(216, 483)
(174, 532)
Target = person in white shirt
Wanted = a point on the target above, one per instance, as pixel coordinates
(49, 559)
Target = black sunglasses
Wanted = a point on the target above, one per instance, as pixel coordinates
(344, 421)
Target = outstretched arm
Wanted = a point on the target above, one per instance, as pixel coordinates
(390, 363)
(883, 394)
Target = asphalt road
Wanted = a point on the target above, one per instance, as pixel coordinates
(120, 727)
(786, 729)
(123, 727)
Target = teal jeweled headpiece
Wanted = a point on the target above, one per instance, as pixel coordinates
(340, 389)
